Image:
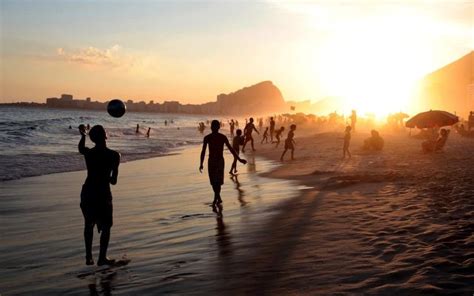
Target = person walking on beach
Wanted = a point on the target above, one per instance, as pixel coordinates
(265, 136)
(290, 142)
(272, 128)
(216, 142)
(347, 142)
(278, 136)
(237, 141)
(249, 128)
(96, 198)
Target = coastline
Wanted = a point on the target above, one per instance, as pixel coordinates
(162, 222)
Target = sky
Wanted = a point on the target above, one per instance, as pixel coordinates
(192, 51)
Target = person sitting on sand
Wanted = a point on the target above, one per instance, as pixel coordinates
(265, 136)
(375, 142)
(96, 198)
(278, 136)
(347, 142)
(216, 142)
(290, 142)
(237, 141)
(435, 146)
(249, 128)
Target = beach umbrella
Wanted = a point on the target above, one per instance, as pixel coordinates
(432, 118)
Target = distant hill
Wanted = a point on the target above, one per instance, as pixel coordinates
(451, 87)
(263, 97)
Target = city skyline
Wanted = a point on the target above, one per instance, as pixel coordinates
(192, 51)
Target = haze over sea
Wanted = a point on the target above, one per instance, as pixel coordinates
(38, 141)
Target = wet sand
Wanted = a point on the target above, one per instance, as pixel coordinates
(393, 222)
(162, 222)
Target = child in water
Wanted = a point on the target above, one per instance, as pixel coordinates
(236, 143)
(347, 142)
(265, 136)
(289, 142)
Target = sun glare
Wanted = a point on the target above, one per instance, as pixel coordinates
(375, 67)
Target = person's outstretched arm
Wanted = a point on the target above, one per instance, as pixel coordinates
(82, 142)
(114, 176)
(203, 154)
(255, 129)
(233, 151)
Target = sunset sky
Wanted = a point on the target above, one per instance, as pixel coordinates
(191, 51)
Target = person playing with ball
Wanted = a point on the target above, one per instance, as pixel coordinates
(96, 198)
(216, 142)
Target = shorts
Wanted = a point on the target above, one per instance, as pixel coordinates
(96, 206)
(216, 171)
(289, 145)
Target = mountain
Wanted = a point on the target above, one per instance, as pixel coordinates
(263, 97)
(451, 87)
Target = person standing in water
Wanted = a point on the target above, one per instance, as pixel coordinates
(237, 141)
(272, 128)
(290, 142)
(148, 132)
(249, 128)
(347, 142)
(216, 142)
(137, 131)
(96, 198)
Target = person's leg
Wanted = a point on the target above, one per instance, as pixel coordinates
(251, 142)
(233, 168)
(283, 154)
(217, 193)
(88, 237)
(292, 154)
(245, 143)
(104, 245)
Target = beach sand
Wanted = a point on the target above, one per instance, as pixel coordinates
(394, 222)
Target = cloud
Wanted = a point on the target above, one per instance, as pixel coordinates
(95, 57)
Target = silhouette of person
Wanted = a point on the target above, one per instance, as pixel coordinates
(249, 128)
(272, 128)
(353, 120)
(232, 127)
(347, 142)
(265, 136)
(138, 129)
(236, 142)
(148, 132)
(96, 198)
(278, 136)
(216, 142)
(290, 142)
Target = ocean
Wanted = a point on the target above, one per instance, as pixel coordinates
(37, 141)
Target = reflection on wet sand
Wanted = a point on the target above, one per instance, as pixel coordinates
(240, 191)
(223, 238)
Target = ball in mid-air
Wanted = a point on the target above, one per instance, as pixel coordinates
(116, 108)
